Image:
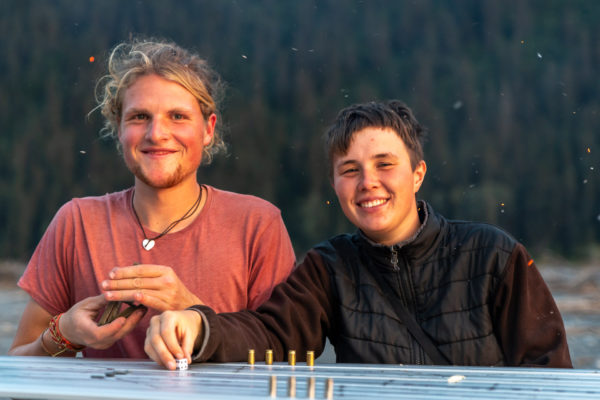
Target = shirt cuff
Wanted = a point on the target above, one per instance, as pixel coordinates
(205, 328)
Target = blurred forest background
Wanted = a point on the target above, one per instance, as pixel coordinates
(509, 91)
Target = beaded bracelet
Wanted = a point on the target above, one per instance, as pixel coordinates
(58, 338)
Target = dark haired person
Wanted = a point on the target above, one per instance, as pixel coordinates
(410, 286)
(165, 243)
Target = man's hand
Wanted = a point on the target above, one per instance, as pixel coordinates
(173, 335)
(78, 325)
(155, 286)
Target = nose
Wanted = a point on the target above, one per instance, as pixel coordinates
(368, 179)
(158, 130)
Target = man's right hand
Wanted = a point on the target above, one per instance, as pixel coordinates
(78, 325)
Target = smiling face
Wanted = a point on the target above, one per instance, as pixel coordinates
(163, 132)
(376, 185)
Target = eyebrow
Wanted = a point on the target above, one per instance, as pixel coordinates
(375, 157)
(135, 110)
(384, 155)
(345, 163)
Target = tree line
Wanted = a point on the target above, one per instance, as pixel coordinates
(507, 90)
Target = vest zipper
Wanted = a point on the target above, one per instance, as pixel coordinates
(419, 352)
(394, 259)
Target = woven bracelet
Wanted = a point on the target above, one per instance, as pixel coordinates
(58, 338)
(59, 352)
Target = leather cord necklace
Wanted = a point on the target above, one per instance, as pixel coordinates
(148, 243)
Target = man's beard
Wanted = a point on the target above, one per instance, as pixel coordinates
(175, 178)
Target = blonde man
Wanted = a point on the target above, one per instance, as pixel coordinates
(163, 244)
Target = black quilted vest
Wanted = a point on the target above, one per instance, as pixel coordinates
(446, 277)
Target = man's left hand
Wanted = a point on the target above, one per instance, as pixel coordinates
(155, 286)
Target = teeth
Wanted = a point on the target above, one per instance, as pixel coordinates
(373, 203)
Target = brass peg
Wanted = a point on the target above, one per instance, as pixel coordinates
(310, 358)
(269, 357)
(292, 357)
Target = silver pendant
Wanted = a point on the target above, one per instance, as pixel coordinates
(147, 244)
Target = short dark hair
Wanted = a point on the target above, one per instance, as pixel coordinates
(393, 114)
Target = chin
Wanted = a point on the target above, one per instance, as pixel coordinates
(161, 182)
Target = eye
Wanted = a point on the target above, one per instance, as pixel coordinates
(349, 171)
(139, 117)
(178, 116)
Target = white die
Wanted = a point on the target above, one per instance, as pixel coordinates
(182, 364)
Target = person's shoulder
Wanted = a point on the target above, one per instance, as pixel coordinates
(93, 207)
(242, 202)
(100, 201)
(331, 247)
(89, 207)
(481, 234)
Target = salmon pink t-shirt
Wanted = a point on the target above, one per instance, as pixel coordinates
(231, 256)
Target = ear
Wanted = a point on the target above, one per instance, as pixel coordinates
(419, 175)
(210, 129)
(118, 127)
